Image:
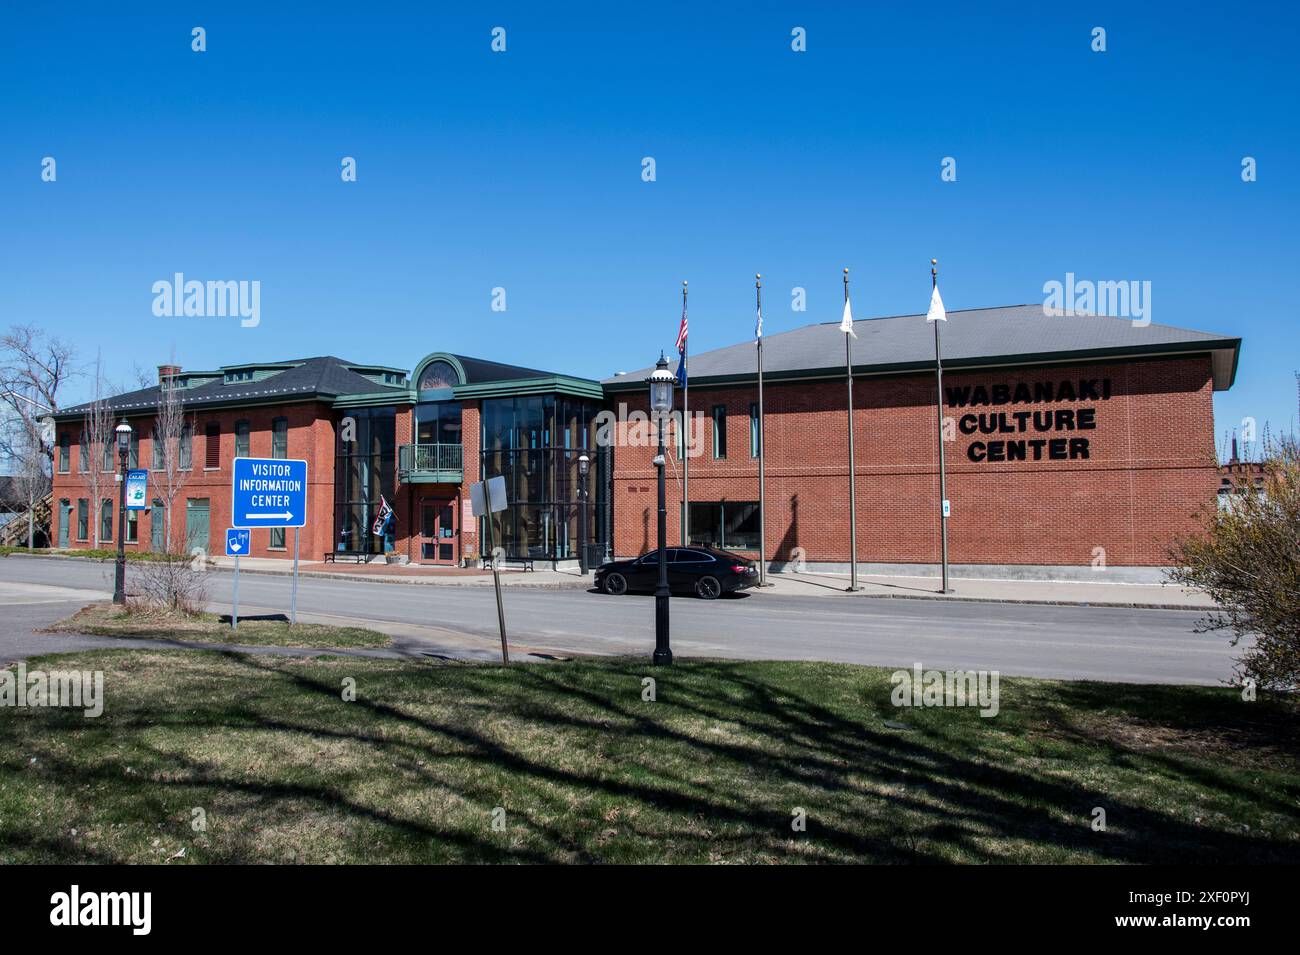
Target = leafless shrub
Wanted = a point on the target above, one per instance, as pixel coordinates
(1247, 558)
(173, 583)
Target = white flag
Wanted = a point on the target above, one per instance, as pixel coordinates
(758, 327)
(936, 313)
(846, 323)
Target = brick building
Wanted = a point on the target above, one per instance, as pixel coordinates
(369, 435)
(1070, 441)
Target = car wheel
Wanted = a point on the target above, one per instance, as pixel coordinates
(615, 585)
(707, 588)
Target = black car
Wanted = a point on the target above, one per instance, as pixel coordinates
(703, 571)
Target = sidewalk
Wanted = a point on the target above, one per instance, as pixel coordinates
(1074, 593)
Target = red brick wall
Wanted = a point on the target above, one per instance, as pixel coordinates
(311, 437)
(1150, 467)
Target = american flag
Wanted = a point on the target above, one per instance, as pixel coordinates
(681, 351)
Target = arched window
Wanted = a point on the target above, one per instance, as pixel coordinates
(438, 374)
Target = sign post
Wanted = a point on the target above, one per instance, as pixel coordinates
(486, 498)
(236, 544)
(271, 493)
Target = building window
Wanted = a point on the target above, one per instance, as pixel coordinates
(186, 448)
(438, 374)
(719, 431)
(212, 447)
(133, 450)
(132, 527)
(280, 438)
(241, 439)
(156, 440)
(364, 471)
(83, 454)
(110, 442)
(437, 422)
(534, 442)
(730, 525)
(276, 540)
(65, 445)
(83, 519)
(754, 433)
(106, 520)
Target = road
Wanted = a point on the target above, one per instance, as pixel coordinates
(1100, 643)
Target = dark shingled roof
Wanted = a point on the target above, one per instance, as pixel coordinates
(478, 370)
(1015, 334)
(321, 378)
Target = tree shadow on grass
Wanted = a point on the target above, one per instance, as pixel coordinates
(713, 769)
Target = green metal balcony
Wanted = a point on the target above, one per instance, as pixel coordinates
(430, 463)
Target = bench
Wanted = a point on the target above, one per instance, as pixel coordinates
(331, 557)
(525, 562)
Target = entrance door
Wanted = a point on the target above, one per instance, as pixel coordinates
(196, 524)
(158, 527)
(439, 532)
(65, 514)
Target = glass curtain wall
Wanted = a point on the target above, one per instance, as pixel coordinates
(534, 442)
(365, 470)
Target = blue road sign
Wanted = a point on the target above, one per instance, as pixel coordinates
(137, 489)
(236, 541)
(268, 492)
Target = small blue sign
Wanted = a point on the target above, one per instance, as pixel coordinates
(268, 492)
(236, 541)
(137, 489)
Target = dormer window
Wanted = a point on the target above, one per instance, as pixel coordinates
(438, 374)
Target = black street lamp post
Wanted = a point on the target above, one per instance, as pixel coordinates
(661, 403)
(584, 464)
(123, 432)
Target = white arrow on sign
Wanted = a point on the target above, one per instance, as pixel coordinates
(266, 517)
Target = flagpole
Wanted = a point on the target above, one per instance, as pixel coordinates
(762, 449)
(686, 434)
(943, 481)
(853, 491)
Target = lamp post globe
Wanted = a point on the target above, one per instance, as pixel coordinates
(661, 383)
(123, 432)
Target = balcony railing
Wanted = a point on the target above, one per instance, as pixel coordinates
(430, 463)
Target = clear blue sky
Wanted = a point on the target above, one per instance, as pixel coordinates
(523, 170)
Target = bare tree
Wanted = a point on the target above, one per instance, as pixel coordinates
(32, 481)
(172, 436)
(34, 368)
(95, 464)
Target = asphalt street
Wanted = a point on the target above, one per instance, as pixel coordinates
(1101, 643)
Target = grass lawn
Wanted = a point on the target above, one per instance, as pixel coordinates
(585, 770)
(107, 620)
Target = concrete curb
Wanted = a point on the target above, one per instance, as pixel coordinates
(1119, 605)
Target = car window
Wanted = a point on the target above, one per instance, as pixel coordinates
(694, 557)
